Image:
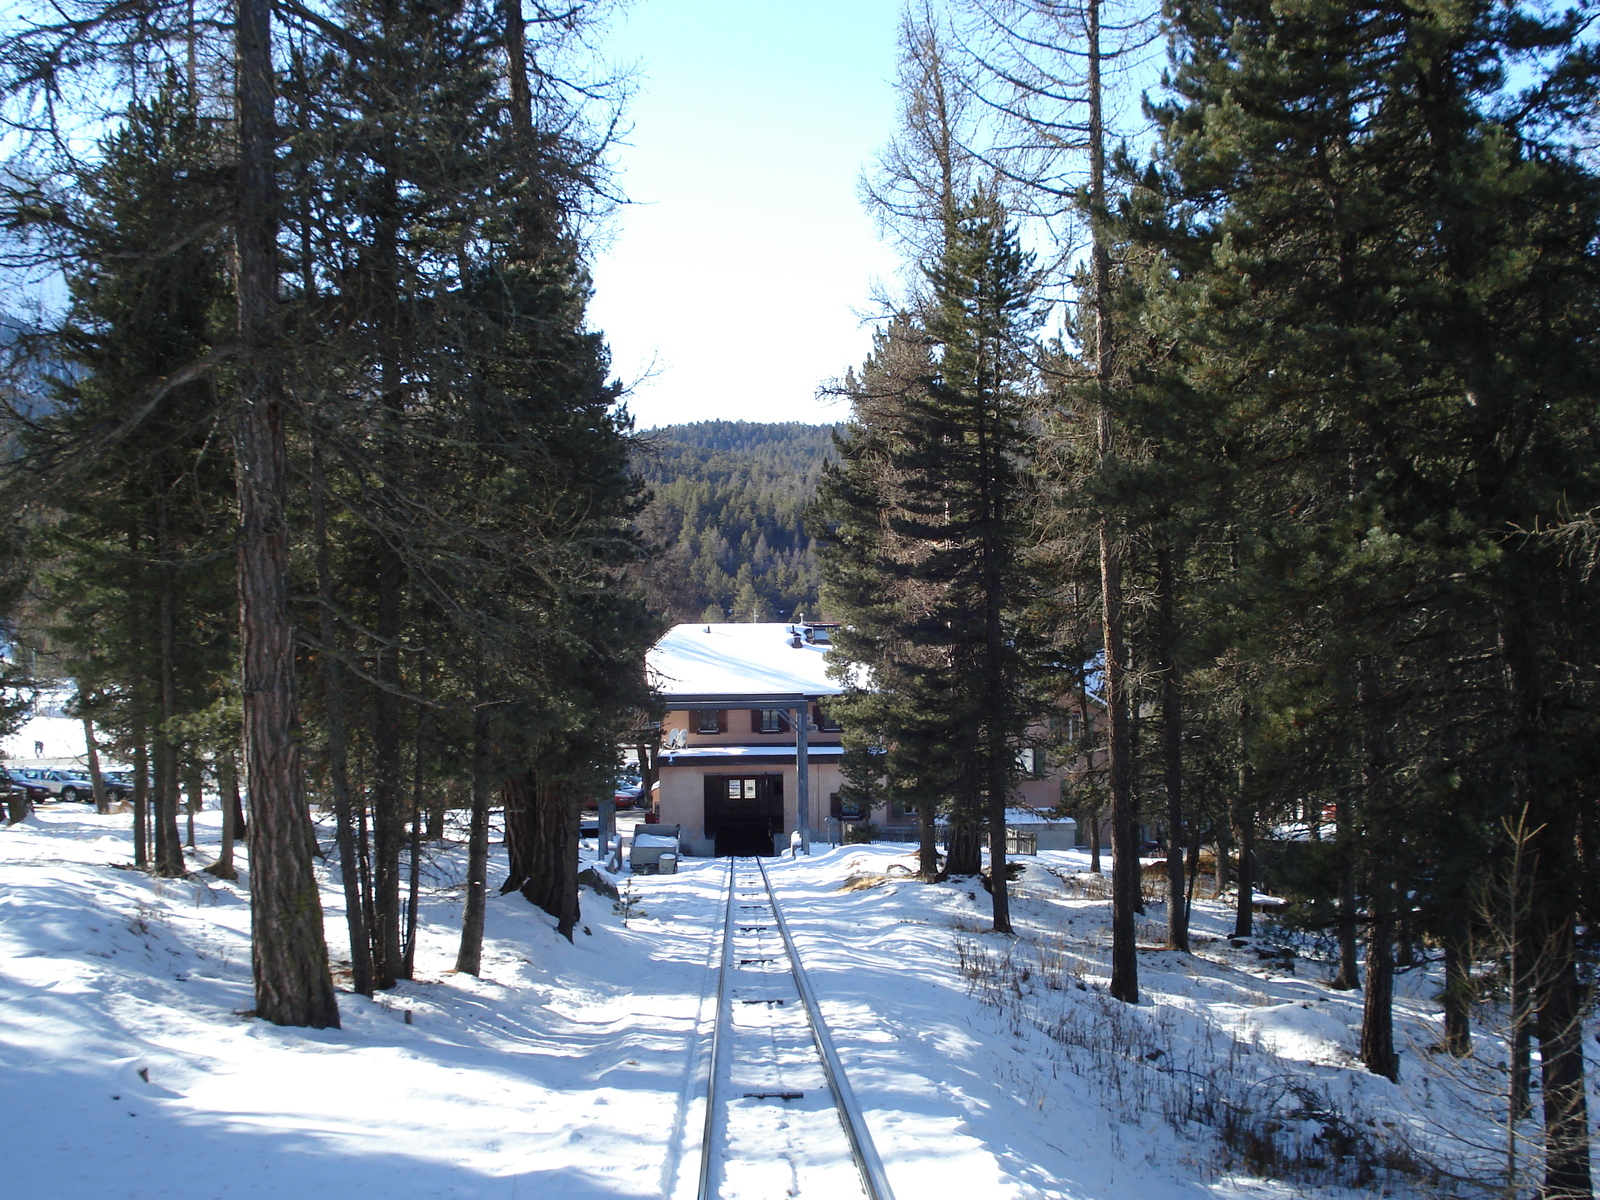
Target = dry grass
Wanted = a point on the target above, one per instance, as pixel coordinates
(860, 879)
(862, 883)
(1155, 1063)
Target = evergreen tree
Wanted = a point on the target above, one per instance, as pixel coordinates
(1356, 227)
(958, 519)
(870, 583)
(143, 600)
(726, 511)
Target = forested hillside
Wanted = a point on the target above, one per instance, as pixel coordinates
(728, 512)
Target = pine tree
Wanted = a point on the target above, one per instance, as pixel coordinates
(951, 566)
(142, 597)
(1357, 229)
(870, 582)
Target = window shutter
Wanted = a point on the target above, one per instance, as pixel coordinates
(722, 720)
(755, 720)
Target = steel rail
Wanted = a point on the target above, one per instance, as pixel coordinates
(873, 1178)
(708, 1137)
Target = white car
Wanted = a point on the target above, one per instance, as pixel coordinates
(70, 786)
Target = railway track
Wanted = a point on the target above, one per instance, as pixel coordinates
(780, 1118)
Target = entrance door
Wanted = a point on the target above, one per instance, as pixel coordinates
(743, 813)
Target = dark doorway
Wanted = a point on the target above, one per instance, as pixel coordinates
(743, 813)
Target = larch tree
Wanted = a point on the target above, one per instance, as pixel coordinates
(1042, 69)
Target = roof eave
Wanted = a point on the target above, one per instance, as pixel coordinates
(739, 699)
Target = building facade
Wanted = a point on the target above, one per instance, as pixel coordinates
(749, 754)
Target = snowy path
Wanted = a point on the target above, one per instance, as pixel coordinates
(566, 1071)
(570, 1071)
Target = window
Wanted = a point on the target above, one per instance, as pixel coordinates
(710, 720)
(1031, 762)
(768, 720)
(741, 789)
(1066, 727)
(824, 722)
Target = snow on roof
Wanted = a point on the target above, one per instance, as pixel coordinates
(748, 662)
(767, 750)
(1032, 816)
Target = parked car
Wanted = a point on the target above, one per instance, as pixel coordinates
(27, 779)
(119, 785)
(70, 786)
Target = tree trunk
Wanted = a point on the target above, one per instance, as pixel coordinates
(1244, 909)
(351, 876)
(1346, 917)
(97, 780)
(1457, 996)
(542, 824)
(927, 843)
(1519, 1074)
(388, 814)
(228, 796)
(413, 889)
(194, 796)
(1245, 828)
(1224, 875)
(1171, 748)
(1124, 832)
(649, 772)
(1377, 1010)
(169, 849)
(964, 848)
(1553, 897)
(1558, 1021)
(999, 890)
(414, 883)
(293, 985)
(141, 797)
(1195, 846)
(1405, 925)
(469, 958)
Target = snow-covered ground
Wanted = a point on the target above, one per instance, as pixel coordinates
(51, 739)
(988, 1067)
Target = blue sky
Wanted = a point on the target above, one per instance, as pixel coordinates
(738, 274)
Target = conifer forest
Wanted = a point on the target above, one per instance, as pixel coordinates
(727, 518)
(1232, 430)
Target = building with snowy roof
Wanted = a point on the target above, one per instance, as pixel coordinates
(749, 752)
